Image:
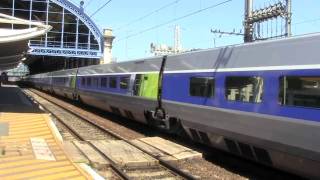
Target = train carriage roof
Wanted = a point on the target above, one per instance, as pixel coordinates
(294, 51)
(69, 72)
(142, 65)
(39, 75)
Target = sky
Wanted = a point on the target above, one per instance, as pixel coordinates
(125, 18)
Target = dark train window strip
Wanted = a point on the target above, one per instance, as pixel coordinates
(83, 81)
(89, 81)
(104, 82)
(124, 82)
(113, 82)
(302, 91)
(202, 86)
(244, 89)
(95, 82)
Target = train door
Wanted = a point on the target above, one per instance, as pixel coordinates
(74, 86)
(73, 82)
(146, 85)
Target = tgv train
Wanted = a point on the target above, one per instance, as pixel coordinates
(258, 100)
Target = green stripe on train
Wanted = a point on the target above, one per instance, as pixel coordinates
(73, 81)
(149, 86)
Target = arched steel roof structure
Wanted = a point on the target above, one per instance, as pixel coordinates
(73, 34)
(14, 42)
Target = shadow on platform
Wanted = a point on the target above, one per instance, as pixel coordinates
(13, 100)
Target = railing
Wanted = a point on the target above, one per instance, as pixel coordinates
(66, 52)
(70, 49)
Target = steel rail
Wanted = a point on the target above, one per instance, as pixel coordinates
(164, 163)
(113, 165)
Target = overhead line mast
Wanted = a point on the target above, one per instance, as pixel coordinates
(260, 16)
(256, 22)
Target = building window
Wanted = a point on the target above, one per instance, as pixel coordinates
(88, 81)
(244, 89)
(202, 86)
(124, 82)
(300, 91)
(104, 82)
(113, 82)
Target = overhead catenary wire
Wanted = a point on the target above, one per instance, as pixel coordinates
(175, 19)
(307, 21)
(149, 14)
(99, 9)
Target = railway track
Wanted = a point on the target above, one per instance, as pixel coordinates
(214, 164)
(76, 127)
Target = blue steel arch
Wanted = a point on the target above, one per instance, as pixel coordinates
(93, 48)
(83, 16)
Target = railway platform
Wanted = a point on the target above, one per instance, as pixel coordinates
(30, 145)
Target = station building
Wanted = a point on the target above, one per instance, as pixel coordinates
(74, 40)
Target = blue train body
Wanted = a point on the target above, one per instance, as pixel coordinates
(176, 88)
(260, 100)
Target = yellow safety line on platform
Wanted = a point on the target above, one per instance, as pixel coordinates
(32, 150)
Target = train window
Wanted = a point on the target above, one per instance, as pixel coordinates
(202, 86)
(301, 91)
(83, 81)
(124, 82)
(104, 82)
(113, 82)
(137, 84)
(88, 81)
(95, 82)
(245, 89)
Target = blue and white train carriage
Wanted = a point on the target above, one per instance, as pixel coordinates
(259, 100)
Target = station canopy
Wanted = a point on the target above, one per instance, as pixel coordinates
(14, 42)
(73, 33)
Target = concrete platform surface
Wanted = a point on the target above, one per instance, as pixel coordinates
(12, 99)
(31, 150)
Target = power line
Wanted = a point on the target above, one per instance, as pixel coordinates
(175, 19)
(100, 8)
(149, 14)
(307, 21)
